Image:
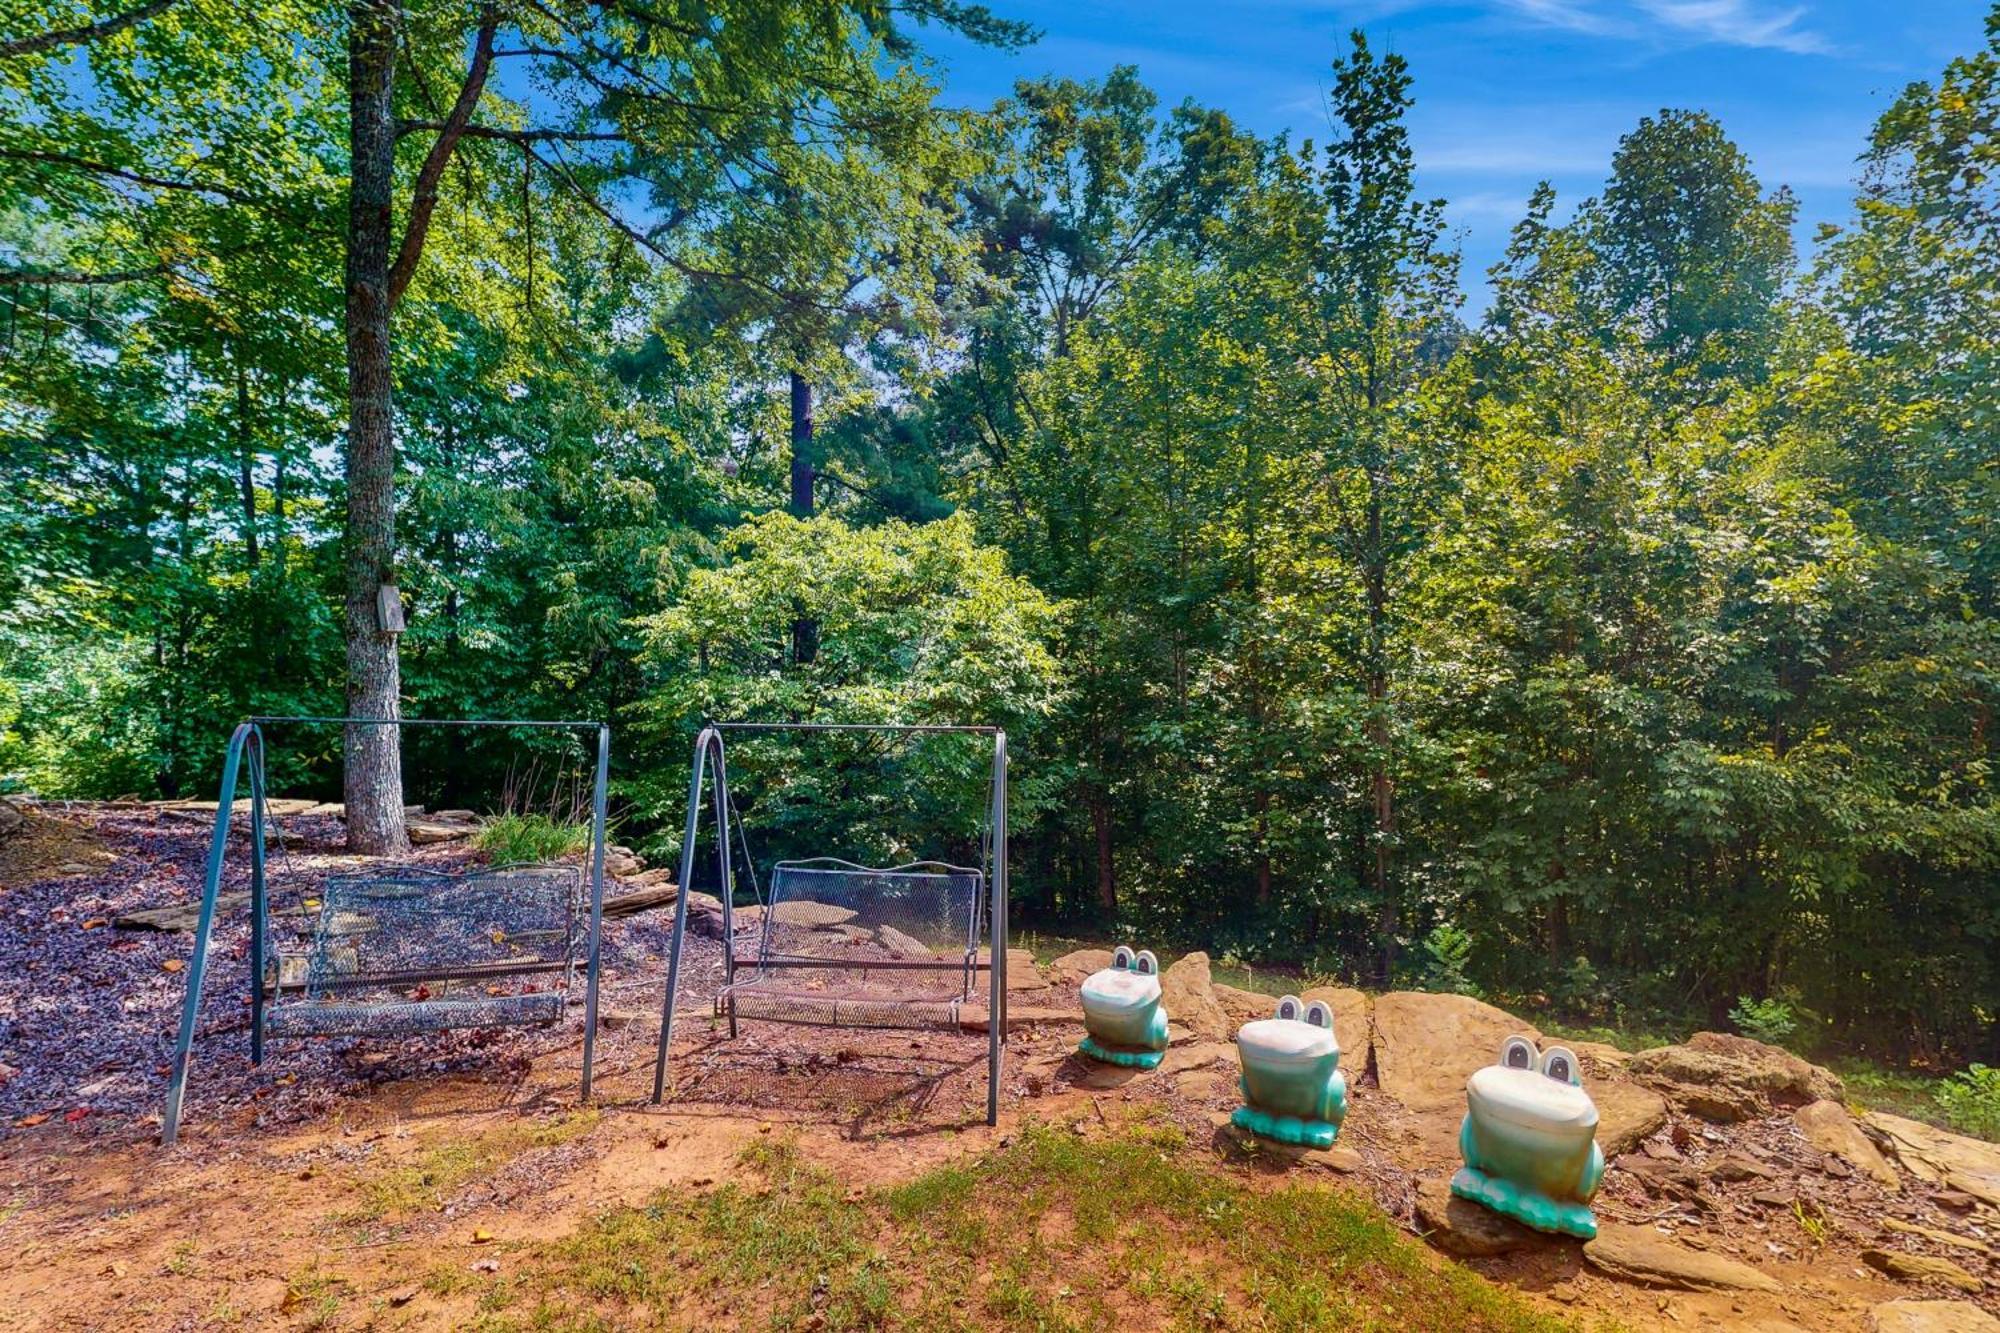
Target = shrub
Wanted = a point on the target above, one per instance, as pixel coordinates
(1770, 1020)
(512, 838)
(1970, 1100)
(1449, 947)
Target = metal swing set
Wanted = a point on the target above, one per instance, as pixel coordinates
(402, 950)
(836, 944)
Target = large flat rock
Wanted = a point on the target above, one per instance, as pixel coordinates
(1426, 1045)
(1640, 1254)
(1928, 1153)
(1726, 1077)
(1073, 968)
(1921, 1268)
(1907, 1316)
(1829, 1128)
(1626, 1114)
(1470, 1230)
(1353, 1022)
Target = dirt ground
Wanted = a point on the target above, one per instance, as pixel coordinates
(287, 1205)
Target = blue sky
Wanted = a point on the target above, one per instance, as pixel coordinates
(1513, 91)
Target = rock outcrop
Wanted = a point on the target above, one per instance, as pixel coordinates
(1469, 1230)
(1640, 1254)
(1188, 993)
(1970, 1166)
(1829, 1128)
(1720, 1076)
(1426, 1045)
(1907, 1316)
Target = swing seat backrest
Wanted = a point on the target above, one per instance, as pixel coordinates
(416, 950)
(830, 913)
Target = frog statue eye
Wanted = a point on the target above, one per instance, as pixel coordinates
(1290, 1007)
(1319, 1015)
(1560, 1064)
(1145, 964)
(1121, 959)
(1519, 1053)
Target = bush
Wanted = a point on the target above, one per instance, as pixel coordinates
(514, 838)
(1970, 1100)
(1449, 948)
(1769, 1020)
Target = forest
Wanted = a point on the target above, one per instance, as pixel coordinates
(1631, 644)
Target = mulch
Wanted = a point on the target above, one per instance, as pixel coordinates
(88, 1012)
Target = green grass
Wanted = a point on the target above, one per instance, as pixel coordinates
(1054, 1232)
(513, 838)
(437, 1171)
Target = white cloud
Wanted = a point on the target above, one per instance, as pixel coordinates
(1725, 22)
(1739, 23)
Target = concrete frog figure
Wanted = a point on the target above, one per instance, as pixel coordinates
(1530, 1140)
(1293, 1090)
(1122, 1013)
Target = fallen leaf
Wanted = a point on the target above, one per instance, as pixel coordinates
(401, 1298)
(485, 1266)
(481, 1236)
(172, 965)
(94, 923)
(75, 1114)
(30, 1121)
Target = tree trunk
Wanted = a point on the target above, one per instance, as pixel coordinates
(1107, 884)
(373, 784)
(805, 630)
(1388, 917)
(246, 476)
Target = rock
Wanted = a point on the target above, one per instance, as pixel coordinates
(12, 821)
(1626, 1114)
(425, 832)
(611, 1020)
(1931, 1317)
(895, 941)
(822, 916)
(1720, 1076)
(1736, 1167)
(1189, 995)
(1426, 1045)
(1921, 1268)
(181, 916)
(1073, 968)
(1470, 1230)
(1019, 1016)
(1829, 1128)
(1969, 1166)
(1935, 1236)
(1244, 1006)
(1774, 1198)
(644, 897)
(1669, 1179)
(1022, 974)
(1955, 1201)
(1640, 1254)
(1196, 1055)
(1353, 1022)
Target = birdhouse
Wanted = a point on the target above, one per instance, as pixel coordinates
(389, 608)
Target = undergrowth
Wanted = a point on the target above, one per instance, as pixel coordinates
(1055, 1232)
(512, 838)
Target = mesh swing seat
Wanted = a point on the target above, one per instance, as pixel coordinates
(845, 945)
(416, 951)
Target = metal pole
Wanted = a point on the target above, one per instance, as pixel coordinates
(218, 845)
(707, 737)
(996, 944)
(598, 800)
(258, 905)
(727, 866)
(851, 726)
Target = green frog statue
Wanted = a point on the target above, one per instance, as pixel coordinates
(1124, 1021)
(1530, 1140)
(1293, 1090)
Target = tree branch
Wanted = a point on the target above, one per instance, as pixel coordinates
(512, 136)
(89, 32)
(71, 278)
(423, 201)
